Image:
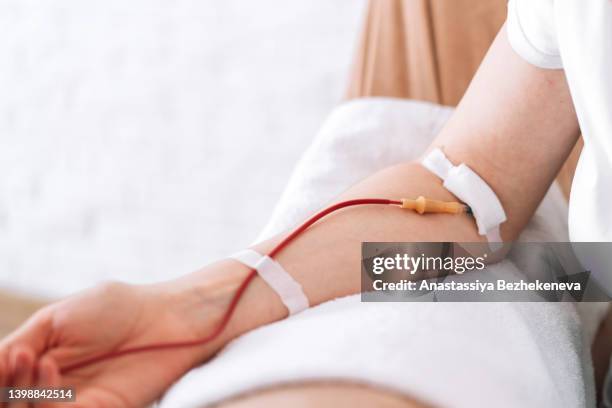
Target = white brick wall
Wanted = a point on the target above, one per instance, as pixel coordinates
(126, 125)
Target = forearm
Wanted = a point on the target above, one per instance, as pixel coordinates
(325, 259)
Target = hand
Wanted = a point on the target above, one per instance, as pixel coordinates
(112, 317)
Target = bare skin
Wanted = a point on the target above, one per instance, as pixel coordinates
(323, 395)
(515, 127)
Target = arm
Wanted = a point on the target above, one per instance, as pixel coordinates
(515, 126)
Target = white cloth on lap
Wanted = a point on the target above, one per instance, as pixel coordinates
(449, 354)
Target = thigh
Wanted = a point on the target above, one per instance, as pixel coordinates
(324, 395)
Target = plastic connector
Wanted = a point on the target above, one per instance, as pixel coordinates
(424, 205)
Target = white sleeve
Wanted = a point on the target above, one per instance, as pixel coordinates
(532, 33)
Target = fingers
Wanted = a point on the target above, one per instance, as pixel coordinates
(19, 352)
(21, 365)
(48, 373)
(48, 377)
(22, 362)
(27, 373)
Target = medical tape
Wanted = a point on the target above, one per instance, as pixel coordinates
(287, 288)
(470, 188)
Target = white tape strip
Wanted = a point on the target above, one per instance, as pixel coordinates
(287, 288)
(470, 188)
(247, 257)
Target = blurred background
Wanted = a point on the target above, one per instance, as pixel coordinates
(141, 140)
